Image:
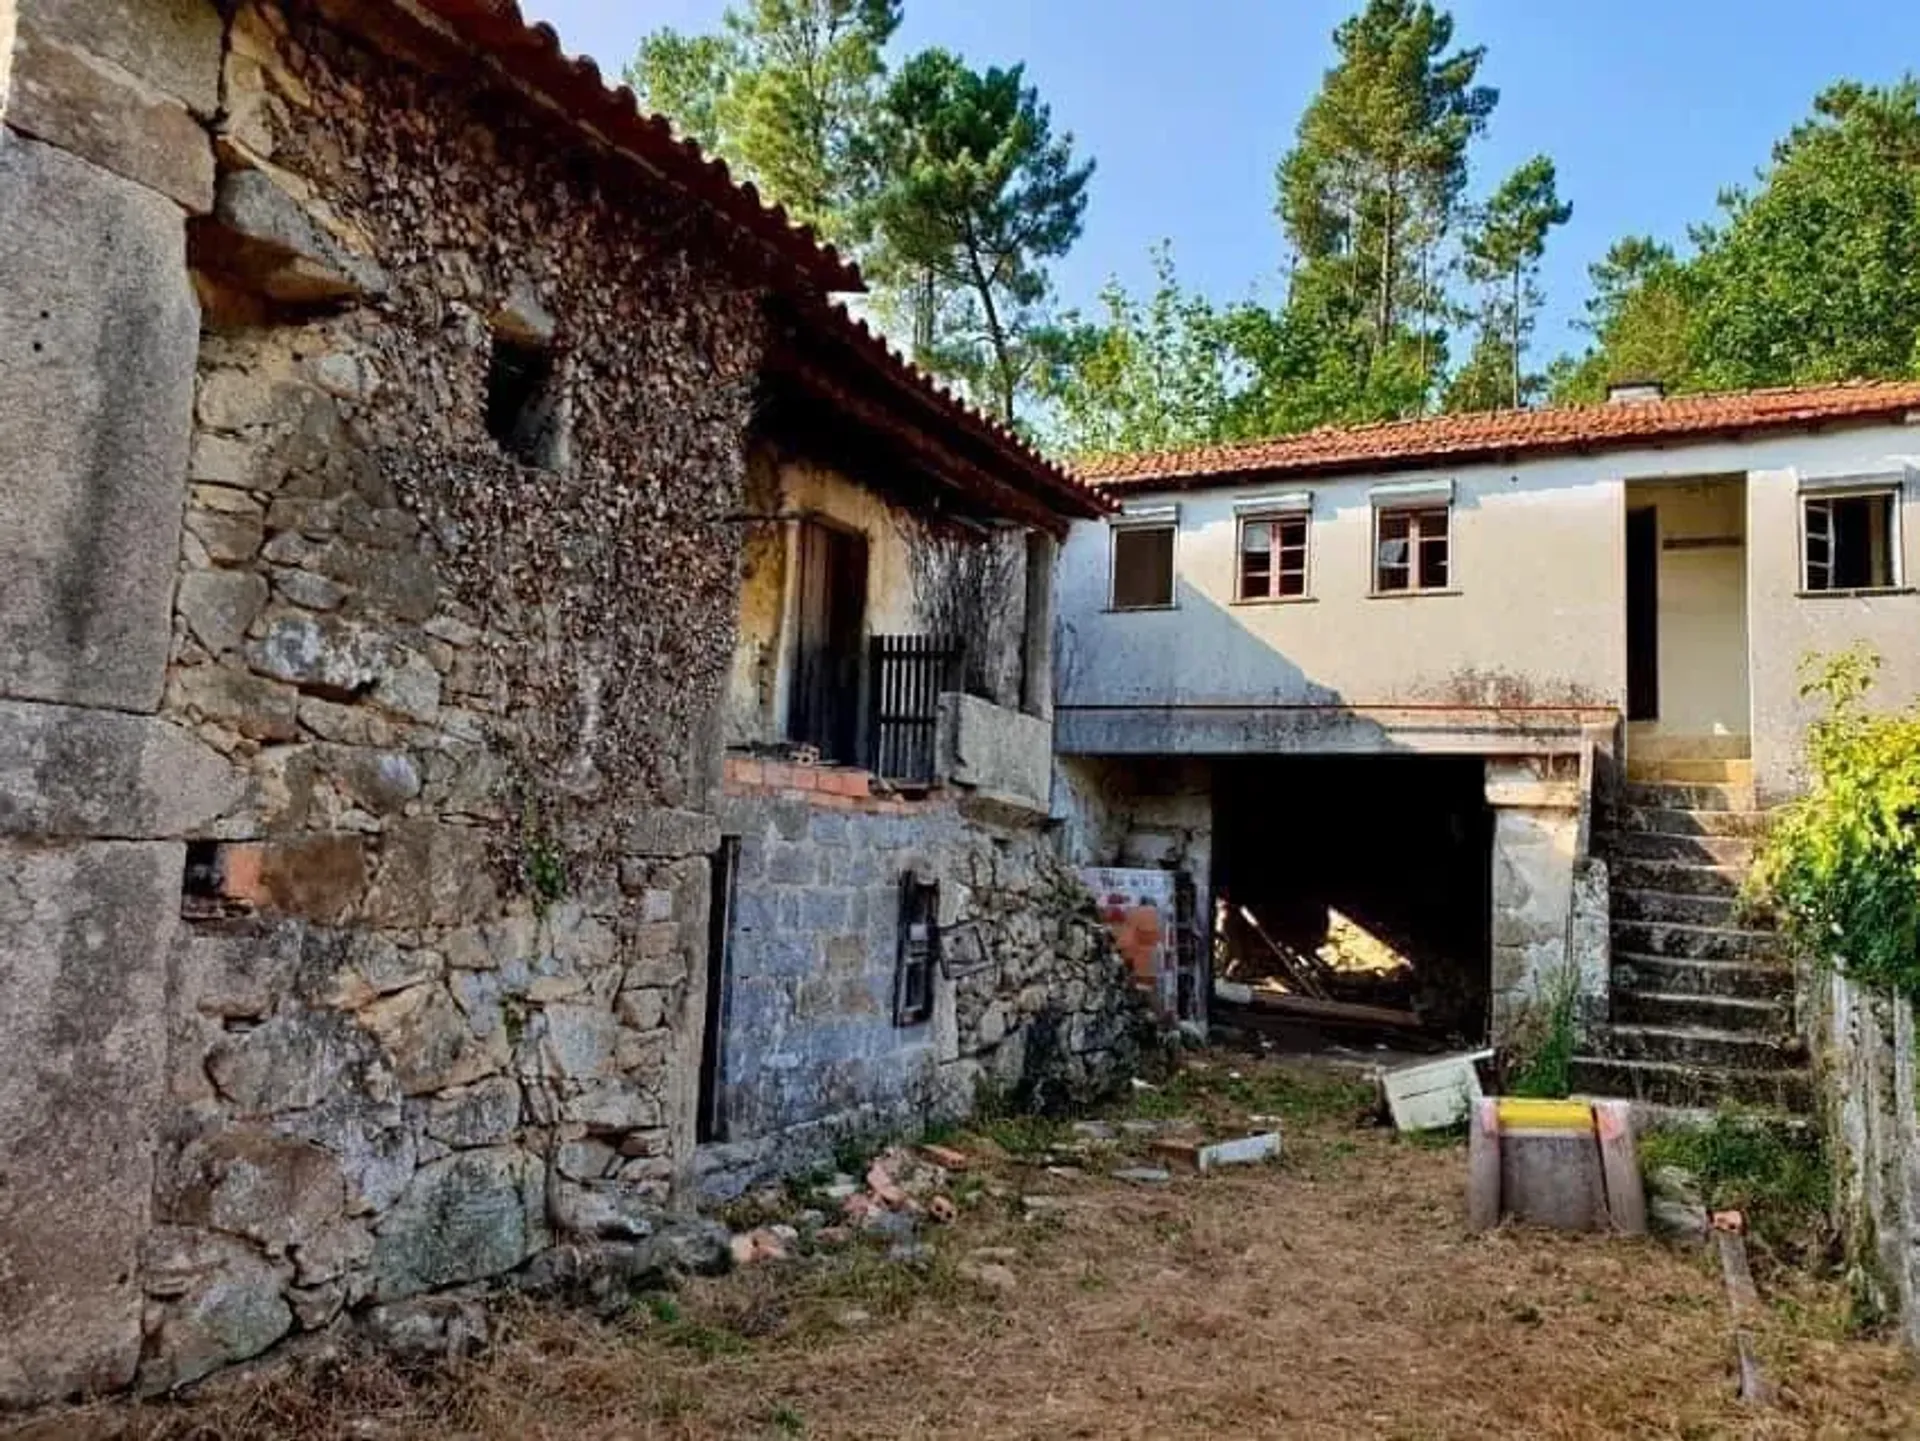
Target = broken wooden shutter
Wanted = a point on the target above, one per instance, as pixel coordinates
(919, 950)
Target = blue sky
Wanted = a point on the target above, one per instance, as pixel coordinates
(1647, 109)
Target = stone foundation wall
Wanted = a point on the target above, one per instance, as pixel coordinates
(1869, 1080)
(1040, 1007)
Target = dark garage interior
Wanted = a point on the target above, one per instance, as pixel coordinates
(1365, 879)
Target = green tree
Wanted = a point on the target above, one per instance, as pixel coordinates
(1816, 276)
(1147, 375)
(786, 92)
(1813, 276)
(975, 195)
(1503, 255)
(1369, 193)
(1638, 317)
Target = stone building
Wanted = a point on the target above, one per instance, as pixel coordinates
(389, 412)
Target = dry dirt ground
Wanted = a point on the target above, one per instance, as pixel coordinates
(1334, 1294)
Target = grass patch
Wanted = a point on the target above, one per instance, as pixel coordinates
(1777, 1176)
(1230, 1095)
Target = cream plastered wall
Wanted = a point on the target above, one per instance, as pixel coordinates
(1539, 613)
(1702, 607)
(780, 493)
(1785, 626)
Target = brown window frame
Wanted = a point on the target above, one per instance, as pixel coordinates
(1277, 574)
(1417, 516)
(1171, 529)
(1822, 503)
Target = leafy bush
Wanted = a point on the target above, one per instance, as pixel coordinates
(1840, 867)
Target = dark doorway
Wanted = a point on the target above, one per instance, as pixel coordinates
(1374, 872)
(1643, 614)
(711, 1124)
(832, 622)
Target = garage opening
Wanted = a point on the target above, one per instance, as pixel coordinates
(1356, 882)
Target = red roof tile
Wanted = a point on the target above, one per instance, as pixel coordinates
(1492, 435)
(1046, 479)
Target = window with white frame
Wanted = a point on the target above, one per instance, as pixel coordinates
(1272, 562)
(1850, 538)
(1142, 558)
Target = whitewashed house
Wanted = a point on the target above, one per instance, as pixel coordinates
(1370, 684)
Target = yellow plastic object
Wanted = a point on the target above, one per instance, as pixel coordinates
(1522, 1113)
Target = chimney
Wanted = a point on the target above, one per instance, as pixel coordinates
(1635, 392)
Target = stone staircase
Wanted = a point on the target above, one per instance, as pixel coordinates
(1702, 1000)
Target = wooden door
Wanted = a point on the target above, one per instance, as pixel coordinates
(1643, 614)
(831, 625)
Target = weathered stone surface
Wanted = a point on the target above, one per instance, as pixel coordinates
(334, 658)
(84, 937)
(669, 833)
(429, 1041)
(270, 243)
(1004, 754)
(251, 705)
(235, 970)
(72, 772)
(605, 1210)
(68, 97)
(428, 1329)
(219, 605)
(606, 1274)
(98, 353)
(480, 1115)
(172, 45)
(218, 1301)
(476, 1214)
(270, 1189)
(295, 1061)
(432, 874)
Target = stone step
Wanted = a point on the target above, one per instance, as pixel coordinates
(1704, 772)
(1660, 846)
(1631, 904)
(1679, 878)
(1705, 943)
(1698, 1046)
(1679, 975)
(1688, 796)
(1744, 1015)
(1681, 821)
(1690, 1087)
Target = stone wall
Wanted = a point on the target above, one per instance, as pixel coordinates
(1031, 1003)
(356, 776)
(103, 161)
(474, 695)
(1549, 895)
(1870, 1094)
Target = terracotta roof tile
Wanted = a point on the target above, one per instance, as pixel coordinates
(1067, 492)
(1490, 435)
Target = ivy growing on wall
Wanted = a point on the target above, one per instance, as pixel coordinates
(1841, 866)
